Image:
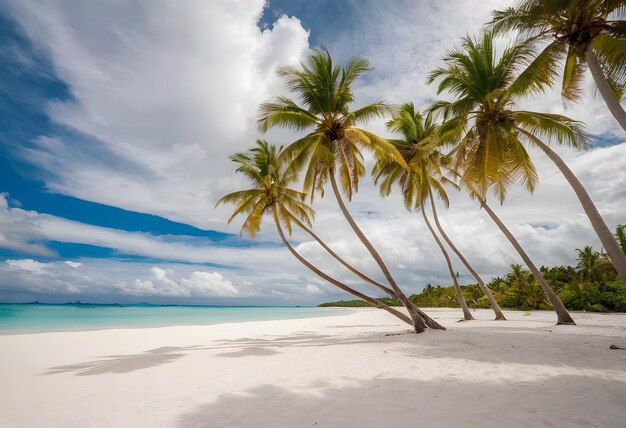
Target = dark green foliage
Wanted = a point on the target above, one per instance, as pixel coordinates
(581, 288)
(620, 234)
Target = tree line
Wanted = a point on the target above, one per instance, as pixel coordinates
(591, 285)
(474, 141)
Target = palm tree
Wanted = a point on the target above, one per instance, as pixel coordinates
(415, 181)
(271, 192)
(418, 148)
(591, 264)
(525, 289)
(333, 147)
(578, 33)
(490, 153)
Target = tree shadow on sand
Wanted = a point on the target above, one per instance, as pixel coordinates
(519, 345)
(561, 401)
(124, 363)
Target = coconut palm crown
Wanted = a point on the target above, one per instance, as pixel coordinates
(270, 190)
(573, 30)
(419, 150)
(492, 134)
(334, 144)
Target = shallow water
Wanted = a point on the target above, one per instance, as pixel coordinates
(36, 318)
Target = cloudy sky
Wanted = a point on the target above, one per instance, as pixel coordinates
(116, 120)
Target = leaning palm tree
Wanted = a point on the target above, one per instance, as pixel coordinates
(270, 192)
(578, 33)
(419, 149)
(420, 131)
(490, 153)
(332, 149)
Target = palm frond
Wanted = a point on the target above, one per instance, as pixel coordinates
(539, 73)
(381, 147)
(611, 54)
(553, 127)
(238, 196)
(365, 114)
(353, 69)
(573, 74)
(285, 113)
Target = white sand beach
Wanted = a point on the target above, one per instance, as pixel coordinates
(357, 370)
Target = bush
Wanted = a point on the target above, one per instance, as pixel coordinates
(597, 308)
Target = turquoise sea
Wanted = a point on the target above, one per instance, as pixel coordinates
(37, 318)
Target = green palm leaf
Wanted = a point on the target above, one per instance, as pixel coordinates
(323, 94)
(270, 176)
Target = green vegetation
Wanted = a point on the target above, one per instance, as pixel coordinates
(592, 285)
(360, 303)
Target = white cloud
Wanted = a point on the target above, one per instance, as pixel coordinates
(209, 284)
(162, 283)
(163, 92)
(313, 289)
(75, 265)
(126, 281)
(28, 265)
(19, 231)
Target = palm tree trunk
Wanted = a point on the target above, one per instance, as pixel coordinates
(467, 315)
(611, 101)
(563, 317)
(428, 320)
(376, 303)
(492, 301)
(415, 316)
(607, 239)
(347, 265)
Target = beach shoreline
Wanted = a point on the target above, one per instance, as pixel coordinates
(118, 317)
(361, 369)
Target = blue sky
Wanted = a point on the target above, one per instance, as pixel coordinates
(116, 123)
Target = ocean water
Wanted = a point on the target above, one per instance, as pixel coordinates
(37, 318)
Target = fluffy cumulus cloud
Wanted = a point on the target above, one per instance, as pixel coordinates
(162, 283)
(134, 279)
(162, 92)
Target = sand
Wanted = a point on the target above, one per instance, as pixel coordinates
(358, 370)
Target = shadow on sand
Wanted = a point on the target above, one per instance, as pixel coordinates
(123, 363)
(409, 403)
(520, 345)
